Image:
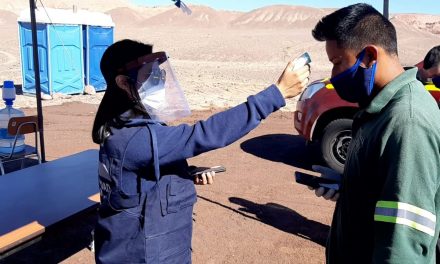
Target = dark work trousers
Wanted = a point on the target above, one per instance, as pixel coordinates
(437, 257)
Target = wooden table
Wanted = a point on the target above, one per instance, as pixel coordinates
(37, 197)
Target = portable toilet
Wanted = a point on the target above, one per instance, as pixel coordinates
(62, 49)
(98, 35)
(96, 38)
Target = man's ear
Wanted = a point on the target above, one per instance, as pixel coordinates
(371, 54)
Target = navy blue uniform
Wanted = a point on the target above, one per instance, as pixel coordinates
(147, 194)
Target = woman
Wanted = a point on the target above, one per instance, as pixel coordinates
(147, 194)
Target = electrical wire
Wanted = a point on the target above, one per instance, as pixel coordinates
(66, 51)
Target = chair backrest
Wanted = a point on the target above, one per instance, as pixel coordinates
(23, 125)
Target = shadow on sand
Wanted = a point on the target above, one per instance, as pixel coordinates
(289, 149)
(280, 217)
(59, 242)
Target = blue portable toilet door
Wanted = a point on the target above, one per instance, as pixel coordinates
(27, 58)
(99, 39)
(66, 59)
(85, 55)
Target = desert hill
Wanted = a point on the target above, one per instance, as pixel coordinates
(16, 6)
(7, 18)
(135, 15)
(430, 23)
(220, 56)
(125, 16)
(202, 16)
(270, 17)
(279, 16)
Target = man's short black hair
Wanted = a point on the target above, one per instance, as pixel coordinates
(356, 26)
(432, 58)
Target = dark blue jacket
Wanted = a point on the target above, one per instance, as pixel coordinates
(147, 194)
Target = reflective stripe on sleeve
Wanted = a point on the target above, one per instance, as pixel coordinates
(405, 214)
(103, 171)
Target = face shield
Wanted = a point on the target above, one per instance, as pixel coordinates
(158, 88)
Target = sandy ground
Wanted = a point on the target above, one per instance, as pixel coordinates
(219, 57)
(253, 213)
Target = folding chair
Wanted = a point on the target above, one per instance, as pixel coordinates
(19, 126)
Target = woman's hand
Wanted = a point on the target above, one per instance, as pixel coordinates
(292, 82)
(204, 178)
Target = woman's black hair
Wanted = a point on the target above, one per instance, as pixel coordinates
(356, 26)
(116, 101)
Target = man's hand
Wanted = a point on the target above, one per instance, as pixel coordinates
(331, 194)
(292, 82)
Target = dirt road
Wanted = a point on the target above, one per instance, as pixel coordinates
(254, 212)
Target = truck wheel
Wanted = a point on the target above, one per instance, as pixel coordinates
(334, 143)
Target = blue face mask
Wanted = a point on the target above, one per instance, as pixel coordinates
(436, 81)
(355, 84)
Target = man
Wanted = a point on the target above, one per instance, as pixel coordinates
(429, 70)
(431, 67)
(388, 199)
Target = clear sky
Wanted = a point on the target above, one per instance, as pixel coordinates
(396, 6)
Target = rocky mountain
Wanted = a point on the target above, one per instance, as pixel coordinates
(270, 17)
(16, 6)
(430, 23)
(202, 16)
(280, 16)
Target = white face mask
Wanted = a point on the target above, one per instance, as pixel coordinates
(159, 90)
(152, 94)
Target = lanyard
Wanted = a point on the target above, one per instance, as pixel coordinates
(149, 123)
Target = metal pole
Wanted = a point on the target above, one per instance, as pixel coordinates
(37, 78)
(386, 5)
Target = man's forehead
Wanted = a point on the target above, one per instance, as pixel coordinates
(334, 50)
